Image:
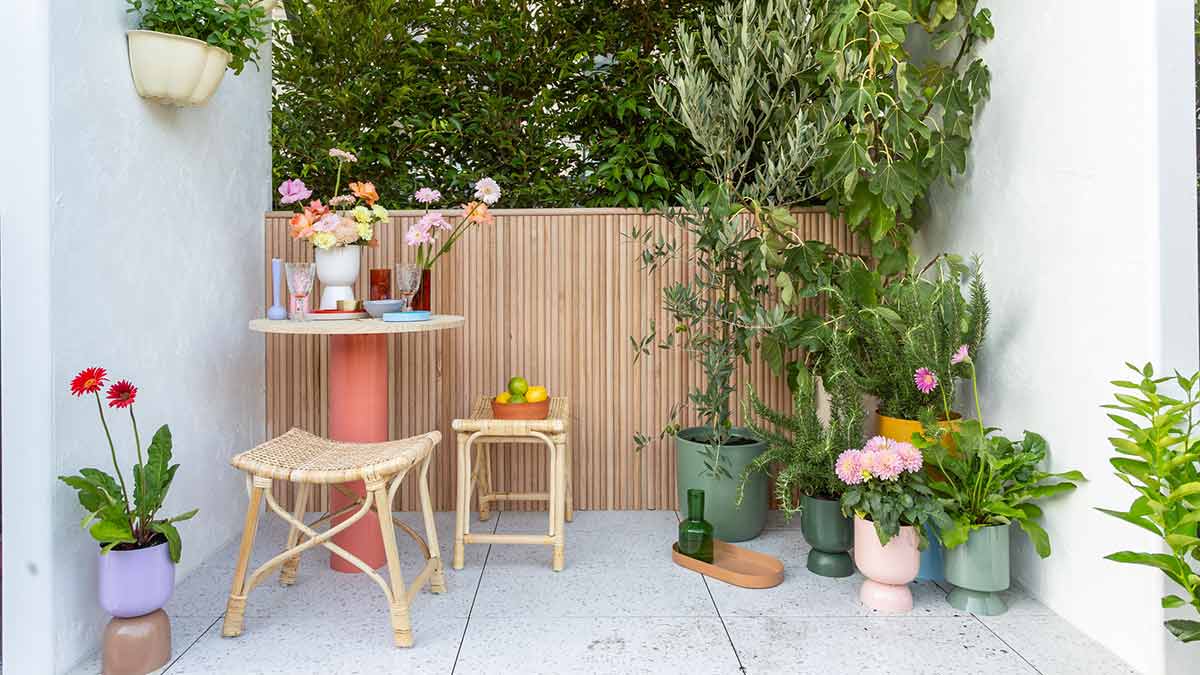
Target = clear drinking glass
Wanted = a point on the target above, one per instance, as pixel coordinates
(408, 280)
(300, 281)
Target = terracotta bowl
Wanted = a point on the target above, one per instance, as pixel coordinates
(521, 411)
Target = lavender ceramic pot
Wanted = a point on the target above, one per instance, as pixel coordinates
(136, 582)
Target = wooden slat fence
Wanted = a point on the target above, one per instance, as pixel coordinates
(551, 294)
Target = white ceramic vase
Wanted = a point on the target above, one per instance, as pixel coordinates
(337, 269)
(174, 69)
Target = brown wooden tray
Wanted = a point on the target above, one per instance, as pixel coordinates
(735, 565)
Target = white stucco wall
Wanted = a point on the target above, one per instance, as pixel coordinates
(151, 222)
(1081, 199)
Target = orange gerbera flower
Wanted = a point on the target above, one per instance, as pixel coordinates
(365, 191)
(477, 212)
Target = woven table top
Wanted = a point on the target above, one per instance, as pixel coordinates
(558, 421)
(356, 326)
(301, 457)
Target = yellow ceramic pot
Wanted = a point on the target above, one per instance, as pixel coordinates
(902, 430)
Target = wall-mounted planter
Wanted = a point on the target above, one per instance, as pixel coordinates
(173, 69)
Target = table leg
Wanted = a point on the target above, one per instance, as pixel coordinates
(358, 413)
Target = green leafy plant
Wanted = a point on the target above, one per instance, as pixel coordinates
(799, 445)
(110, 519)
(237, 26)
(915, 324)
(905, 122)
(550, 99)
(885, 484)
(988, 479)
(1160, 459)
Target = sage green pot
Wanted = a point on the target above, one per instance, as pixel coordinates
(830, 534)
(730, 522)
(979, 570)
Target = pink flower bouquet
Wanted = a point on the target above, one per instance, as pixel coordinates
(344, 220)
(885, 484)
(426, 232)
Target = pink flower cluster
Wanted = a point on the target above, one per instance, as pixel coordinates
(881, 458)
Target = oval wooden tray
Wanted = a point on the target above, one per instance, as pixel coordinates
(735, 565)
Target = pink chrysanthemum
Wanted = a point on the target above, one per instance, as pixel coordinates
(925, 379)
(427, 195)
(910, 457)
(962, 354)
(847, 467)
(888, 465)
(877, 443)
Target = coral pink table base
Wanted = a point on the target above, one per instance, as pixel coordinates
(358, 413)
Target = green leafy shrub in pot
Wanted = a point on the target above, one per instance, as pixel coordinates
(237, 26)
(1159, 457)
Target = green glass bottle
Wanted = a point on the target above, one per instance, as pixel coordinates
(695, 534)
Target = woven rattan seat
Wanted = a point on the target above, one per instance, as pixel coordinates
(301, 457)
(307, 460)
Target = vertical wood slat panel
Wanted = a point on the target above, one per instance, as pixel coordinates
(552, 294)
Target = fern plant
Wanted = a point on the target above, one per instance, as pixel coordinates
(802, 447)
(918, 323)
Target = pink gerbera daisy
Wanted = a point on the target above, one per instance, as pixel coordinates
(960, 355)
(925, 379)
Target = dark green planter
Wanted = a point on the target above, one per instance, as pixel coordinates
(730, 522)
(979, 571)
(830, 534)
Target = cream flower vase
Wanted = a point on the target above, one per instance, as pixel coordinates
(337, 269)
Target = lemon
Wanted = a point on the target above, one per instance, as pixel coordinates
(503, 397)
(536, 394)
(517, 386)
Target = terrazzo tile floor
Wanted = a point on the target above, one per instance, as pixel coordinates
(620, 606)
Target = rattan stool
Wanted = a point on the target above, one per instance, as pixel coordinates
(302, 458)
(481, 430)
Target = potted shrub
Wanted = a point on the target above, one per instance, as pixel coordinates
(138, 550)
(337, 229)
(1158, 456)
(181, 49)
(761, 108)
(891, 503)
(802, 450)
(986, 484)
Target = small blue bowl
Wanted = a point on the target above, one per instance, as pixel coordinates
(401, 317)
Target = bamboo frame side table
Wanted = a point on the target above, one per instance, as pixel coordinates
(482, 430)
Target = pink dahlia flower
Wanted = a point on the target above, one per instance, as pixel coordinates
(848, 468)
(888, 465)
(925, 379)
(910, 458)
(961, 355)
(877, 443)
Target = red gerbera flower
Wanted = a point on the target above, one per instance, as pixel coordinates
(88, 381)
(121, 394)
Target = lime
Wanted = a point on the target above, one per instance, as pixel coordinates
(517, 399)
(517, 386)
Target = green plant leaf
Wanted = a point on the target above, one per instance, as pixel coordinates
(168, 531)
(1041, 540)
(1136, 520)
(1183, 629)
(1173, 601)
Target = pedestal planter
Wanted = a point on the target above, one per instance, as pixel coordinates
(730, 522)
(979, 571)
(888, 569)
(830, 534)
(337, 268)
(174, 69)
(136, 582)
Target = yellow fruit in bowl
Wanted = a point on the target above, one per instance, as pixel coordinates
(504, 397)
(536, 394)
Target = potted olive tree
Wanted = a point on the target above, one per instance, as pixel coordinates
(987, 483)
(138, 549)
(739, 84)
(181, 49)
(802, 451)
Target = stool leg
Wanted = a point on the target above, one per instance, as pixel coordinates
(235, 609)
(437, 582)
(287, 574)
(570, 480)
(559, 505)
(401, 626)
(483, 473)
(463, 503)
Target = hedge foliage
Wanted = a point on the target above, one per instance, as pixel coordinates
(550, 99)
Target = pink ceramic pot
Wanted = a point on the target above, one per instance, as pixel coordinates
(888, 569)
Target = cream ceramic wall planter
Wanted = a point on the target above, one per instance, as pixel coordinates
(173, 69)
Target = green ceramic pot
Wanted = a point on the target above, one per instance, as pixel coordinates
(730, 522)
(979, 571)
(830, 534)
